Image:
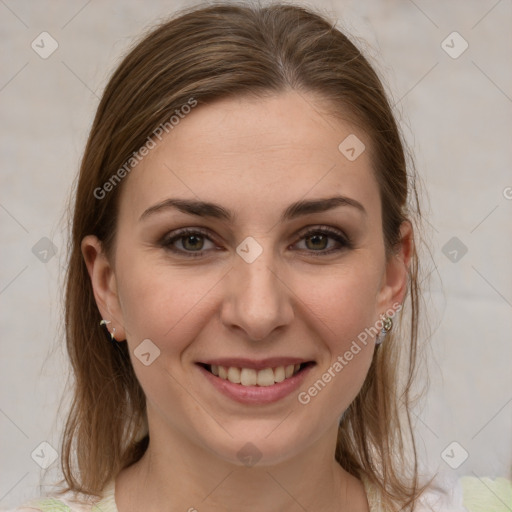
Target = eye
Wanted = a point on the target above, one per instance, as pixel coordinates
(187, 241)
(324, 240)
(193, 242)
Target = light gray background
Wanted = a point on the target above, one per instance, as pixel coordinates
(456, 114)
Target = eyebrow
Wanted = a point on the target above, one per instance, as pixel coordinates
(208, 209)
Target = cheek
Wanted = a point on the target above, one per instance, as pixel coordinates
(168, 306)
(342, 309)
(348, 352)
(343, 298)
(163, 302)
(156, 302)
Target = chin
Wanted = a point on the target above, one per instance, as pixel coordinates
(260, 446)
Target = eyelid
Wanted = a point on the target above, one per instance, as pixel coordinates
(192, 230)
(319, 228)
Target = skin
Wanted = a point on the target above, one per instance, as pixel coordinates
(254, 157)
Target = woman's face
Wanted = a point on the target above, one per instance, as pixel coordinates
(282, 264)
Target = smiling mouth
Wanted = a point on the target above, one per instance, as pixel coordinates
(253, 377)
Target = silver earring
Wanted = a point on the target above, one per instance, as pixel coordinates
(387, 324)
(105, 323)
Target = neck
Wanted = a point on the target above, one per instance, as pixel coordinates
(176, 474)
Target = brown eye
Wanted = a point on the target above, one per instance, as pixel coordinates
(187, 242)
(317, 242)
(192, 242)
(324, 241)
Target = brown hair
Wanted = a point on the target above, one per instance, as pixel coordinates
(210, 53)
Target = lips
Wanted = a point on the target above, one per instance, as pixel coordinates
(256, 382)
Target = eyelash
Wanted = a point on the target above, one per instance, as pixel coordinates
(167, 242)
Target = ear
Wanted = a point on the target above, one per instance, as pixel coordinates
(396, 276)
(103, 281)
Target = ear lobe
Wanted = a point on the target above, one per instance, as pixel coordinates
(397, 269)
(103, 282)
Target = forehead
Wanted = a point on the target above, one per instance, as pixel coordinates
(253, 153)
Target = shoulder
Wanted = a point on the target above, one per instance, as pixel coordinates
(71, 502)
(43, 505)
(471, 494)
(485, 494)
(442, 495)
(468, 494)
(448, 493)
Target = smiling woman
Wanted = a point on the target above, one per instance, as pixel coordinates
(260, 252)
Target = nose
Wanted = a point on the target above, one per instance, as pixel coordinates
(256, 299)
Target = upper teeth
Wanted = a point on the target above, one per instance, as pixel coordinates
(252, 377)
